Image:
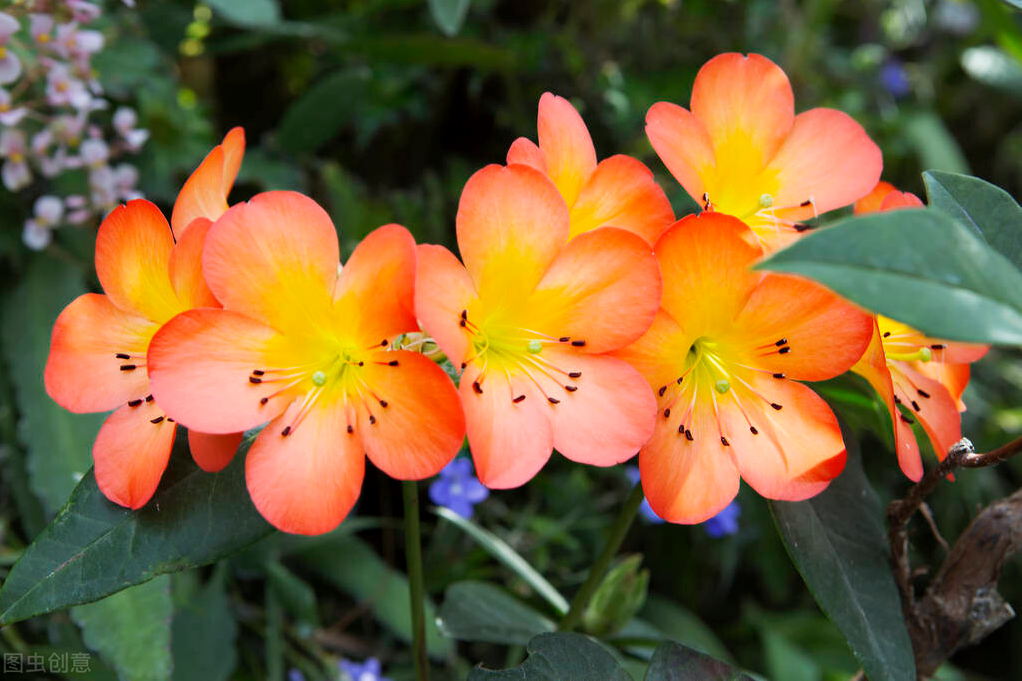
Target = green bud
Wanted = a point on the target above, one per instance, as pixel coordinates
(621, 594)
(319, 379)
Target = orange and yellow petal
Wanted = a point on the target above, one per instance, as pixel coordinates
(83, 371)
(930, 403)
(510, 441)
(566, 144)
(274, 259)
(131, 452)
(133, 248)
(511, 224)
(603, 288)
(895, 200)
(375, 292)
(954, 377)
(204, 194)
(664, 339)
(525, 152)
(443, 288)
(200, 365)
(422, 427)
(212, 452)
(683, 144)
(871, 202)
(186, 267)
(308, 481)
(622, 193)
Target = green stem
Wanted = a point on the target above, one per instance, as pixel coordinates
(614, 539)
(413, 556)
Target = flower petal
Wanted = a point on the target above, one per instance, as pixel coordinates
(200, 364)
(83, 372)
(511, 224)
(375, 290)
(274, 259)
(895, 200)
(212, 453)
(422, 427)
(566, 144)
(603, 288)
(622, 193)
(937, 413)
(525, 152)
(648, 353)
(306, 482)
(186, 267)
(133, 249)
(204, 194)
(611, 414)
(443, 288)
(510, 441)
(954, 377)
(683, 144)
(871, 202)
(131, 453)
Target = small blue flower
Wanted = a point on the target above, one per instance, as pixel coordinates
(367, 671)
(457, 488)
(648, 514)
(894, 79)
(725, 522)
(295, 675)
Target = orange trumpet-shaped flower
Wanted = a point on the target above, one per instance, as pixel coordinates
(204, 194)
(309, 350)
(725, 355)
(926, 376)
(97, 358)
(742, 150)
(530, 317)
(617, 192)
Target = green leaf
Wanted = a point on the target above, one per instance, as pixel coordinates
(679, 624)
(295, 595)
(353, 567)
(247, 12)
(934, 143)
(837, 542)
(57, 442)
(449, 15)
(500, 550)
(919, 267)
(478, 611)
(560, 656)
(675, 662)
(994, 67)
(95, 548)
(204, 632)
(981, 205)
(321, 112)
(131, 630)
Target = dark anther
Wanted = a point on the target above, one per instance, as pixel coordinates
(752, 429)
(915, 405)
(887, 334)
(361, 364)
(785, 350)
(723, 441)
(667, 413)
(783, 341)
(897, 400)
(372, 420)
(518, 399)
(681, 429)
(464, 314)
(170, 420)
(392, 363)
(778, 375)
(264, 400)
(121, 355)
(688, 435)
(258, 372)
(938, 346)
(384, 342)
(571, 388)
(662, 390)
(156, 420)
(135, 403)
(350, 429)
(680, 379)
(286, 431)
(802, 227)
(776, 406)
(148, 398)
(564, 339)
(127, 367)
(383, 403)
(463, 365)
(463, 323)
(478, 388)
(578, 343)
(575, 374)
(253, 379)
(553, 400)
(906, 419)
(923, 393)
(807, 202)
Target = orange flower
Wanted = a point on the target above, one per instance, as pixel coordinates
(618, 192)
(204, 194)
(724, 356)
(743, 151)
(926, 376)
(530, 317)
(308, 350)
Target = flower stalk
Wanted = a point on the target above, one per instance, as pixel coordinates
(413, 557)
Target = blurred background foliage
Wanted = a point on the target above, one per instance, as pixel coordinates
(381, 110)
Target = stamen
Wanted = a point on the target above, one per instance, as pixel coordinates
(887, 334)
(134, 403)
(923, 393)
(372, 420)
(804, 204)
(575, 374)
(148, 398)
(384, 403)
(915, 405)
(127, 367)
(785, 350)
(662, 390)
(723, 441)
(667, 413)
(253, 379)
(264, 400)
(392, 363)
(518, 399)
(564, 339)
(776, 406)
(258, 372)
(783, 341)
(553, 400)
(350, 429)
(802, 227)
(778, 375)
(478, 388)
(906, 419)
(286, 431)
(752, 429)
(121, 355)
(938, 346)
(578, 343)
(156, 420)
(571, 388)
(688, 435)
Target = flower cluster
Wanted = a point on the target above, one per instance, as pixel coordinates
(580, 317)
(49, 96)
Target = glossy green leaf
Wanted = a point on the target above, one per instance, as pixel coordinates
(919, 267)
(981, 205)
(131, 630)
(247, 12)
(837, 542)
(321, 112)
(353, 567)
(57, 442)
(449, 15)
(478, 611)
(560, 656)
(94, 547)
(675, 662)
(204, 632)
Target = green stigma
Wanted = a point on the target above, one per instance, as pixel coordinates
(766, 200)
(534, 347)
(925, 354)
(920, 355)
(722, 386)
(319, 379)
